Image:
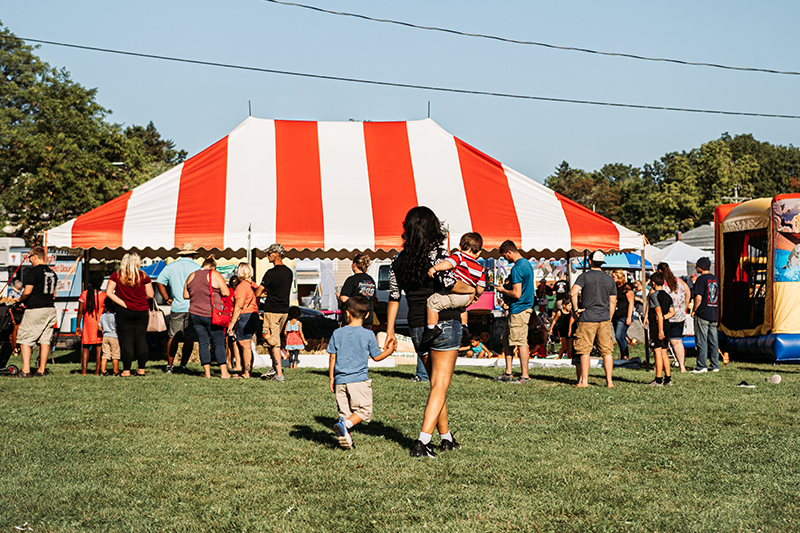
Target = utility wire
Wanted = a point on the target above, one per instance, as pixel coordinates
(534, 43)
(406, 85)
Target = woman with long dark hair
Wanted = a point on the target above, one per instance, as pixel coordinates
(680, 294)
(623, 313)
(423, 236)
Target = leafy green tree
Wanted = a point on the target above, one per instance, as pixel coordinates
(593, 190)
(161, 152)
(58, 156)
(778, 166)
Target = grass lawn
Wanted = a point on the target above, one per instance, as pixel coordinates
(180, 453)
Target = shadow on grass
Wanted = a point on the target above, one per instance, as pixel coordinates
(395, 373)
(459, 372)
(325, 437)
(321, 437)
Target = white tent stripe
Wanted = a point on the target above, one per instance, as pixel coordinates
(347, 210)
(437, 173)
(251, 185)
(150, 217)
(537, 207)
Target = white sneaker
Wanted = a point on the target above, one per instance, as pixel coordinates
(715, 370)
(699, 371)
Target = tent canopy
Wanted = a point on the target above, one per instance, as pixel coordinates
(326, 189)
(678, 254)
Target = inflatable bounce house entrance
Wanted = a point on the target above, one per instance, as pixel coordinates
(758, 264)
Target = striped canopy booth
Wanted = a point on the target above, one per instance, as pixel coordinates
(326, 189)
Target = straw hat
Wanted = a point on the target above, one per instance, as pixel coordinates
(187, 249)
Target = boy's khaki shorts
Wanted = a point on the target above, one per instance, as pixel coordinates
(587, 332)
(273, 326)
(355, 398)
(438, 302)
(37, 326)
(111, 348)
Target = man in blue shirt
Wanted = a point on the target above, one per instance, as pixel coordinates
(519, 293)
(173, 278)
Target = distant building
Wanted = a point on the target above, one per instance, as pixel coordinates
(701, 237)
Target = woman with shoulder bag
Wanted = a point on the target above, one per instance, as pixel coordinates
(202, 288)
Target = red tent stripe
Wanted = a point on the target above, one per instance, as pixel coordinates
(491, 206)
(101, 227)
(588, 230)
(391, 179)
(200, 213)
(299, 221)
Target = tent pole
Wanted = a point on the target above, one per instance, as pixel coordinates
(249, 242)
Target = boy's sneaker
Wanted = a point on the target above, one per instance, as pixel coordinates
(279, 379)
(654, 383)
(422, 450)
(179, 370)
(699, 371)
(168, 369)
(428, 336)
(269, 374)
(504, 377)
(345, 440)
(450, 445)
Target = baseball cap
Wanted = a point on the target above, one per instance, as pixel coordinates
(704, 263)
(597, 257)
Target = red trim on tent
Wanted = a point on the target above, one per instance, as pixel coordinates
(200, 214)
(299, 221)
(101, 227)
(588, 230)
(391, 180)
(491, 206)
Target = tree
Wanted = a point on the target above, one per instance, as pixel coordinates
(593, 190)
(58, 156)
(161, 152)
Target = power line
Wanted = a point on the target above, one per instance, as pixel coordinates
(407, 85)
(534, 43)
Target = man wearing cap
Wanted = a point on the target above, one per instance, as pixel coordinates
(706, 313)
(172, 279)
(519, 293)
(598, 300)
(277, 284)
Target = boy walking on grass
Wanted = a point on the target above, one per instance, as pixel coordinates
(350, 348)
(661, 310)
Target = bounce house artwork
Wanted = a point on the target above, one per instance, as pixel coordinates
(758, 258)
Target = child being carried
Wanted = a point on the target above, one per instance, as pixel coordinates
(470, 283)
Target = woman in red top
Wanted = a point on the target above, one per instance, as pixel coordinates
(91, 305)
(130, 289)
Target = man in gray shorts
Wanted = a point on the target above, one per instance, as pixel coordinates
(40, 313)
(173, 277)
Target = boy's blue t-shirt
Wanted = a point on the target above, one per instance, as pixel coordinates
(522, 272)
(353, 348)
(108, 323)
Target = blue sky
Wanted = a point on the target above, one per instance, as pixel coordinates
(197, 105)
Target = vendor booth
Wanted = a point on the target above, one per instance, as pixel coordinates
(758, 264)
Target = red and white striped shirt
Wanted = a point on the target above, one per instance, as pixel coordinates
(467, 269)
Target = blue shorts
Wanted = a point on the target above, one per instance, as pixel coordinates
(246, 326)
(450, 339)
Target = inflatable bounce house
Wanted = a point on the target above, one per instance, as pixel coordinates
(758, 265)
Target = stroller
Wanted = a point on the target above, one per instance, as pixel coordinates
(8, 321)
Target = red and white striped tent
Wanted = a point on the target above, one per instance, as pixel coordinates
(325, 189)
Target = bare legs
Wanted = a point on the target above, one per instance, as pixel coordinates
(25, 352)
(440, 366)
(85, 349)
(608, 366)
(680, 353)
(247, 357)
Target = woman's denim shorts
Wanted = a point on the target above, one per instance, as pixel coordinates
(246, 326)
(450, 339)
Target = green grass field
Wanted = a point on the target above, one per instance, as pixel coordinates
(180, 453)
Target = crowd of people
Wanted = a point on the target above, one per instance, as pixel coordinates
(223, 316)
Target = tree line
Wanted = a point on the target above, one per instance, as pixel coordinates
(680, 191)
(59, 157)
